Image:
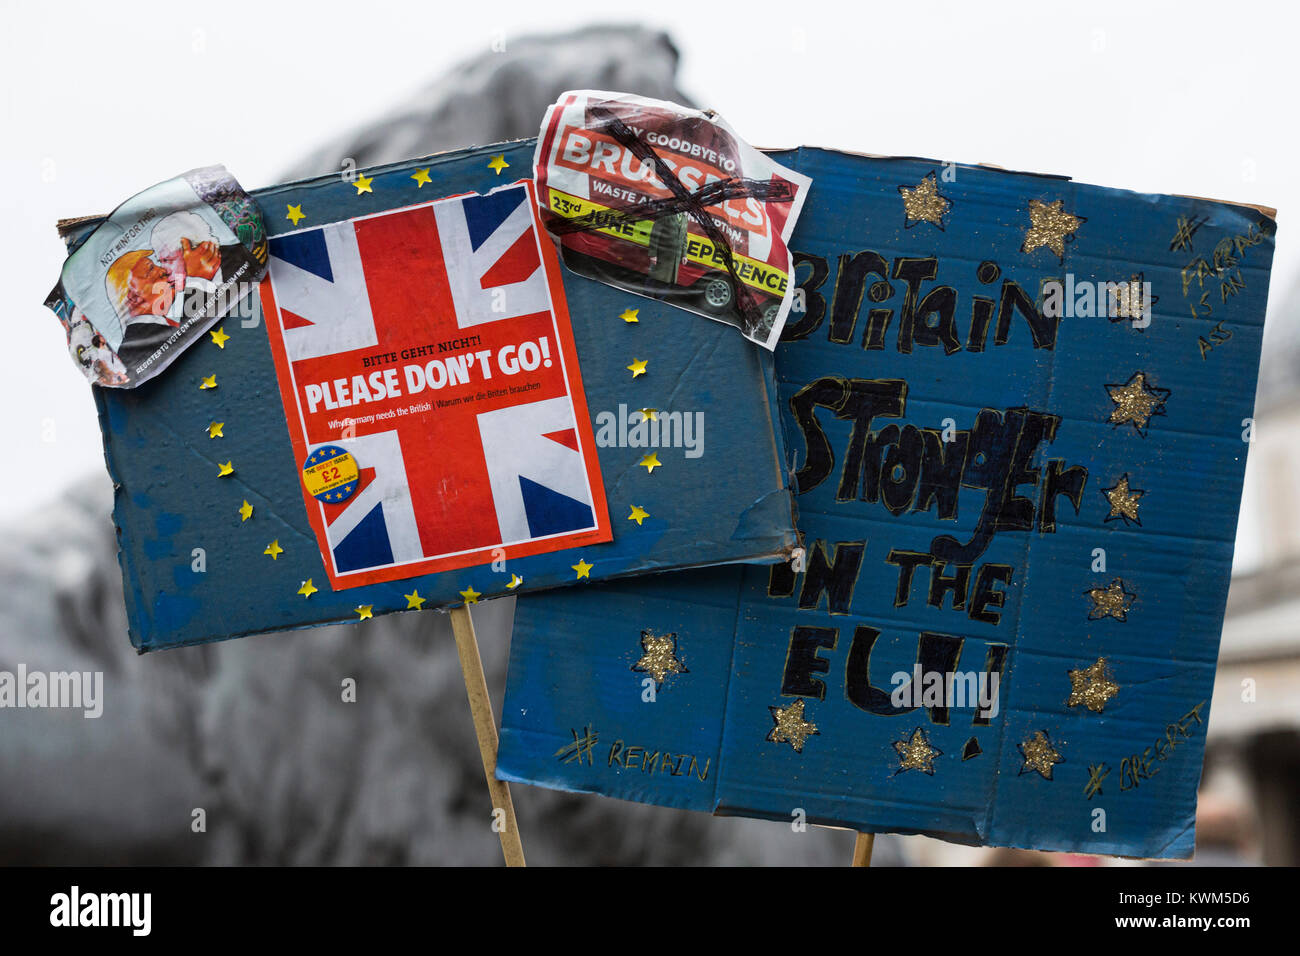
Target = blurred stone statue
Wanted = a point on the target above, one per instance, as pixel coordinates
(245, 751)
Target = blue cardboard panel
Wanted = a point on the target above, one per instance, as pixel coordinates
(731, 503)
(1008, 550)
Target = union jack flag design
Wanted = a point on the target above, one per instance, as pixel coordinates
(432, 344)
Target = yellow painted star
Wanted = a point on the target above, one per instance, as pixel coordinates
(917, 753)
(308, 589)
(790, 726)
(295, 213)
(209, 381)
(245, 511)
(638, 514)
(274, 549)
(214, 430)
(1123, 501)
(362, 182)
(649, 414)
(413, 600)
(515, 581)
(637, 367)
(1039, 754)
(225, 470)
(1092, 686)
(1136, 402)
(651, 462)
(421, 177)
(499, 163)
(470, 595)
(583, 568)
(365, 611)
(924, 204)
(1049, 224)
(659, 657)
(629, 315)
(1114, 600)
(220, 337)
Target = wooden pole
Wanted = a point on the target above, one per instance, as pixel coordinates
(480, 705)
(862, 849)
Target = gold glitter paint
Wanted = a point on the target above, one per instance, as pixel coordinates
(790, 726)
(923, 203)
(1039, 754)
(1092, 686)
(1135, 401)
(659, 656)
(1128, 300)
(1123, 501)
(916, 753)
(1114, 600)
(1049, 224)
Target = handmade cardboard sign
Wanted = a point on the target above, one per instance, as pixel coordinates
(1019, 409)
(424, 408)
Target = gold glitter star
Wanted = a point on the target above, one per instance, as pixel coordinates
(917, 753)
(220, 338)
(790, 727)
(245, 511)
(1049, 224)
(1123, 501)
(1092, 686)
(413, 600)
(637, 367)
(583, 568)
(295, 213)
(924, 204)
(470, 595)
(362, 183)
(659, 657)
(1128, 300)
(1136, 402)
(1114, 600)
(629, 315)
(214, 430)
(421, 177)
(1039, 754)
(649, 414)
(308, 589)
(638, 514)
(209, 381)
(274, 549)
(651, 462)
(515, 581)
(225, 470)
(499, 163)
(365, 611)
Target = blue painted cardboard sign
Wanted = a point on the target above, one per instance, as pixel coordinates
(1018, 409)
(222, 530)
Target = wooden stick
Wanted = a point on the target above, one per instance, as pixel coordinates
(862, 849)
(480, 705)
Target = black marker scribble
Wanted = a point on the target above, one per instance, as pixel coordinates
(682, 200)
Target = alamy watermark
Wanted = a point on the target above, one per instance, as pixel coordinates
(651, 428)
(70, 690)
(958, 690)
(1129, 300)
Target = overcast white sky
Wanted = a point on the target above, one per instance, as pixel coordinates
(1186, 97)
